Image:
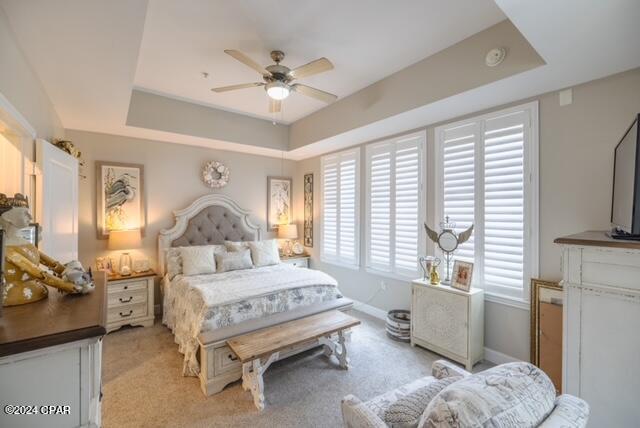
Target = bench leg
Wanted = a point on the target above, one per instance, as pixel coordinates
(252, 378)
(337, 348)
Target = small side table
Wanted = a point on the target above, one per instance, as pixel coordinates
(130, 300)
(298, 261)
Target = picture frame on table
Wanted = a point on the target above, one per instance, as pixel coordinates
(279, 202)
(462, 275)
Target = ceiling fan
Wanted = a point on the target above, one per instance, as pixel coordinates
(277, 78)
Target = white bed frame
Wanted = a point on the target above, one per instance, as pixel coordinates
(218, 364)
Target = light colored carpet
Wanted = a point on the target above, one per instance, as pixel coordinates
(143, 387)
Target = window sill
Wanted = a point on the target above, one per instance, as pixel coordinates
(507, 301)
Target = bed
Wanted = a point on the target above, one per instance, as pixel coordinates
(203, 311)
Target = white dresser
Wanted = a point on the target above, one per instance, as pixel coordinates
(448, 321)
(601, 350)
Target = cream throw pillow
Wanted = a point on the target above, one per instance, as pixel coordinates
(198, 260)
(264, 253)
(234, 260)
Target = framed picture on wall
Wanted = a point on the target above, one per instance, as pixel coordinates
(119, 197)
(279, 195)
(308, 210)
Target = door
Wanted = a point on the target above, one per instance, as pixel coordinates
(57, 201)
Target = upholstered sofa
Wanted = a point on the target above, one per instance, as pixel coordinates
(509, 395)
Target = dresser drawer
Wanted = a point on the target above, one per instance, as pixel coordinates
(302, 262)
(117, 287)
(225, 360)
(127, 297)
(126, 312)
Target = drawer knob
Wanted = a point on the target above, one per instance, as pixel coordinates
(126, 301)
(126, 287)
(232, 357)
(126, 315)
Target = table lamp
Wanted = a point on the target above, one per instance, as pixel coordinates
(124, 240)
(288, 232)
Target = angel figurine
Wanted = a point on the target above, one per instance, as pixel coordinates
(26, 281)
(448, 240)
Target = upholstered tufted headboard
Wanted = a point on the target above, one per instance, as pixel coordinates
(210, 219)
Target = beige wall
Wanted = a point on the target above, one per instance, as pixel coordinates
(453, 70)
(576, 161)
(172, 181)
(20, 85)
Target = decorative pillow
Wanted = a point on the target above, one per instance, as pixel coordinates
(197, 260)
(236, 246)
(406, 412)
(509, 395)
(173, 258)
(234, 260)
(264, 253)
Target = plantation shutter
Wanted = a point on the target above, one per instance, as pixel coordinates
(458, 170)
(395, 212)
(504, 221)
(340, 208)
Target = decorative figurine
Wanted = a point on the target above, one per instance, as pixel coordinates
(448, 241)
(434, 276)
(429, 265)
(25, 279)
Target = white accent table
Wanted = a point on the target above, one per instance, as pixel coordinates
(448, 321)
(130, 300)
(601, 349)
(298, 261)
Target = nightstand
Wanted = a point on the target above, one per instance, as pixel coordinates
(130, 300)
(298, 261)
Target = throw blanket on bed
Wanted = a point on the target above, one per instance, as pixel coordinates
(200, 303)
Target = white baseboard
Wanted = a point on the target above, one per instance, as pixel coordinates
(490, 355)
(496, 357)
(370, 310)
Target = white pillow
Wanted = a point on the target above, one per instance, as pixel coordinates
(236, 246)
(234, 260)
(198, 260)
(264, 253)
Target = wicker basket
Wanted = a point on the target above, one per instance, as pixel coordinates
(399, 325)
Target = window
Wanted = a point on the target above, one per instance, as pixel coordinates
(488, 177)
(340, 192)
(395, 204)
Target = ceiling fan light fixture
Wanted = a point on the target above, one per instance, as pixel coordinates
(278, 90)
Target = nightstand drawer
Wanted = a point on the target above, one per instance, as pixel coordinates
(225, 360)
(120, 286)
(302, 262)
(126, 297)
(126, 312)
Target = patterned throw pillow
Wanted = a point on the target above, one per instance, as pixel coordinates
(197, 260)
(173, 258)
(406, 412)
(509, 395)
(234, 260)
(264, 253)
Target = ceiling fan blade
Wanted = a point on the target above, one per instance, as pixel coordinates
(315, 93)
(314, 67)
(275, 106)
(247, 61)
(234, 87)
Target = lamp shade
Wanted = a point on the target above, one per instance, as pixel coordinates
(288, 231)
(124, 239)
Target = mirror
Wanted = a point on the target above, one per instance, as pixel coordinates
(447, 241)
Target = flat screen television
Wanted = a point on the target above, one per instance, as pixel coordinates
(625, 206)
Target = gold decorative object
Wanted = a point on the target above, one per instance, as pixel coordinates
(68, 147)
(25, 280)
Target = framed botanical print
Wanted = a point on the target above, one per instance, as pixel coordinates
(308, 210)
(279, 195)
(119, 197)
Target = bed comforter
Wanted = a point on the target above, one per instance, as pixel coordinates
(200, 303)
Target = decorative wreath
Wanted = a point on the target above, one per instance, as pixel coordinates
(215, 174)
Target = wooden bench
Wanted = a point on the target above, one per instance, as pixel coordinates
(257, 350)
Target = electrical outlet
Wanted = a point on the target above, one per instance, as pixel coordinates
(383, 285)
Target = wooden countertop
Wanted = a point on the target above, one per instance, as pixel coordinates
(597, 238)
(58, 319)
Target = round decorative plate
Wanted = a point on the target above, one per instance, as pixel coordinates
(297, 248)
(215, 174)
